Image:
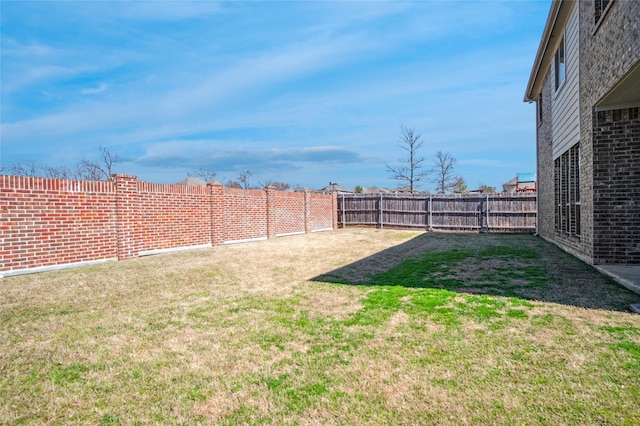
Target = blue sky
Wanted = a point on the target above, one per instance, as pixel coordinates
(300, 92)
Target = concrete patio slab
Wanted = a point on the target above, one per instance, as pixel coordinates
(626, 275)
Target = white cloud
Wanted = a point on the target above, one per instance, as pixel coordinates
(95, 90)
(14, 48)
(240, 80)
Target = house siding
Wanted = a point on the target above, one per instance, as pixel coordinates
(565, 114)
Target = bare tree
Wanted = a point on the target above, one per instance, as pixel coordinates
(84, 170)
(280, 186)
(410, 171)
(88, 170)
(30, 168)
(205, 175)
(244, 179)
(59, 172)
(33, 169)
(445, 179)
(100, 170)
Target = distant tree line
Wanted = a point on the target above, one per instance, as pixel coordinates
(102, 169)
(410, 171)
(244, 180)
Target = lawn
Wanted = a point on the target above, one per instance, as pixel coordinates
(356, 326)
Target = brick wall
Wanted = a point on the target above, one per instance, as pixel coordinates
(578, 246)
(607, 52)
(324, 212)
(290, 213)
(616, 186)
(245, 215)
(545, 181)
(51, 223)
(47, 222)
(173, 216)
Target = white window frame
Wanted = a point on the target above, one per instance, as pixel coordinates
(601, 9)
(567, 192)
(560, 64)
(539, 109)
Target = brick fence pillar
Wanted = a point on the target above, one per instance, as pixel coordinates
(307, 212)
(271, 211)
(127, 215)
(217, 213)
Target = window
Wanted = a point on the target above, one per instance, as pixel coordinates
(559, 63)
(539, 105)
(567, 188)
(601, 7)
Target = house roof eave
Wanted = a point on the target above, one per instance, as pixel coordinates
(556, 21)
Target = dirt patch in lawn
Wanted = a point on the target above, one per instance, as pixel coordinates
(503, 265)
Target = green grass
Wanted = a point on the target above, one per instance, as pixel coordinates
(448, 335)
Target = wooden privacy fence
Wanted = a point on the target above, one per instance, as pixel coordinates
(483, 212)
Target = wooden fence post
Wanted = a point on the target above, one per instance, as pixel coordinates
(487, 213)
(430, 212)
(381, 211)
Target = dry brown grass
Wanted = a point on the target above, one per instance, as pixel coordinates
(297, 330)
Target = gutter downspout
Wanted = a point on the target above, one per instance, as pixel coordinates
(537, 175)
